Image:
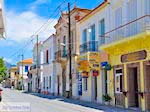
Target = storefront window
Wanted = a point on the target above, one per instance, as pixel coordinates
(85, 84)
(118, 81)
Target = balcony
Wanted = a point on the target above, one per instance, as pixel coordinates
(60, 54)
(90, 46)
(34, 67)
(127, 30)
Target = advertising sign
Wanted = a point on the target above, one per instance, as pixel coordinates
(139, 55)
(94, 60)
(79, 84)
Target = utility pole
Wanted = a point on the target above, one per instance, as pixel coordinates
(37, 61)
(22, 71)
(70, 44)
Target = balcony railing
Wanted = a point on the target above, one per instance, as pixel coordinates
(132, 28)
(89, 46)
(60, 54)
(34, 67)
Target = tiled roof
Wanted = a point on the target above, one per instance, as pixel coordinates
(27, 61)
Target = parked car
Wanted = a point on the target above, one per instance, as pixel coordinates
(1, 94)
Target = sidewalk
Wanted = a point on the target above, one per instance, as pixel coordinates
(85, 104)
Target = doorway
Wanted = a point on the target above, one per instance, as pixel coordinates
(58, 85)
(94, 90)
(147, 86)
(133, 99)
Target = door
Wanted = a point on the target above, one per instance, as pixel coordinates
(58, 85)
(95, 84)
(133, 87)
(147, 86)
(94, 88)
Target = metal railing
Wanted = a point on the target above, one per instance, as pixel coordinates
(127, 30)
(89, 46)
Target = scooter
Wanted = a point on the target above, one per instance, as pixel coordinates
(1, 95)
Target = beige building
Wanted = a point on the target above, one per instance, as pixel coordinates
(61, 55)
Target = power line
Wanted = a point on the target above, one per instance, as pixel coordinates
(42, 28)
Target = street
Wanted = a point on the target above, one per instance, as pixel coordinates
(39, 104)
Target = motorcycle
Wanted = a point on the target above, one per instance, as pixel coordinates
(1, 95)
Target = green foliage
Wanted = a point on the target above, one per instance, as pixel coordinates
(2, 69)
(107, 98)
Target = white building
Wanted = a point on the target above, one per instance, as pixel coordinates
(90, 27)
(23, 68)
(48, 75)
(34, 73)
(62, 55)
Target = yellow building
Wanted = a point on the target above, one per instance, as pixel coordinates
(14, 76)
(128, 80)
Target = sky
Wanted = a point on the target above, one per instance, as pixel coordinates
(24, 17)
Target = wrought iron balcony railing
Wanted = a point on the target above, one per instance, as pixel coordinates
(129, 29)
(89, 46)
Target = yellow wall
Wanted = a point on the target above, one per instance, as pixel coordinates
(115, 59)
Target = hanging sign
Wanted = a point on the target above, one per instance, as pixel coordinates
(95, 73)
(135, 56)
(79, 84)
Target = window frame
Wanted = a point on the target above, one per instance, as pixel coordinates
(116, 85)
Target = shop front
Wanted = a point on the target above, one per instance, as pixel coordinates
(128, 80)
(89, 68)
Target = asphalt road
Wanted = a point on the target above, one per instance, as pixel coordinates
(16, 101)
(38, 104)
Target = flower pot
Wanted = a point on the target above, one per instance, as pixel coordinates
(107, 103)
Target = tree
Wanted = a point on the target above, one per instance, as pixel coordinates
(2, 69)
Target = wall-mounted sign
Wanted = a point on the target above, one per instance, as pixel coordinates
(135, 56)
(83, 66)
(95, 73)
(85, 74)
(79, 84)
(103, 64)
(94, 60)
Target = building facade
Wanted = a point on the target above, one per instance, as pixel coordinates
(91, 76)
(62, 54)
(14, 76)
(128, 49)
(34, 73)
(23, 68)
(48, 75)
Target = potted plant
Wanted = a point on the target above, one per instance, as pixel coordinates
(107, 99)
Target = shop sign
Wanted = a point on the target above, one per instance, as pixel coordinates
(94, 60)
(85, 74)
(103, 64)
(95, 73)
(135, 56)
(83, 66)
(79, 84)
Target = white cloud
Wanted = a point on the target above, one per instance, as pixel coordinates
(19, 27)
(35, 4)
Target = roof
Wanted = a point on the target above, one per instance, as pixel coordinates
(94, 10)
(13, 68)
(72, 11)
(27, 61)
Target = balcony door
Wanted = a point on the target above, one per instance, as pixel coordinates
(92, 39)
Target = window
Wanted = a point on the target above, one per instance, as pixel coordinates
(85, 84)
(132, 15)
(118, 22)
(118, 81)
(64, 47)
(84, 36)
(26, 68)
(49, 81)
(47, 59)
(102, 31)
(147, 6)
(92, 34)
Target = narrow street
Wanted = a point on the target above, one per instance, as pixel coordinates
(39, 104)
